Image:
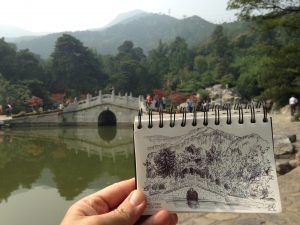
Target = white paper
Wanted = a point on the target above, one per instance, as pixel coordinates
(213, 168)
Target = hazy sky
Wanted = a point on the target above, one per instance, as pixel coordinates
(71, 15)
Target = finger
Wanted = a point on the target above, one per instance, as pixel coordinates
(174, 219)
(128, 211)
(162, 217)
(112, 196)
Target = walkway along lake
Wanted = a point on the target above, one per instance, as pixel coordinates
(44, 170)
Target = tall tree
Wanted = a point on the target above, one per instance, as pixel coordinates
(158, 63)
(179, 55)
(278, 23)
(7, 59)
(76, 69)
(28, 66)
(220, 51)
(129, 70)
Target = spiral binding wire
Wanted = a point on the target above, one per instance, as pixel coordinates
(140, 119)
(265, 119)
(252, 120)
(150, 122)
(228, 110)
(194, 123)
(183, 121)
(214, 108)
(161, 118)
(217, 115)
(205, 117)
(241, 115)
(172, 117)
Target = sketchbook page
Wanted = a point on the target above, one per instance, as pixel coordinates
(213, 168)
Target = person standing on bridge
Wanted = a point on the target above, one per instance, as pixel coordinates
(148, 98)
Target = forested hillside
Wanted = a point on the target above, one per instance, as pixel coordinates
(144, 30)
(259, 58)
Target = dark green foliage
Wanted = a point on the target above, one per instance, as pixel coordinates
(7, 59)
(277, 47)
(128, 70)
(76, 69)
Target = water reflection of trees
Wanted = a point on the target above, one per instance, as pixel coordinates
(24, 155)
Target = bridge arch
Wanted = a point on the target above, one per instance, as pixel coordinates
(107, 118)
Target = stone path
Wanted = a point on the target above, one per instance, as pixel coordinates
(3, 117)
(289, 185)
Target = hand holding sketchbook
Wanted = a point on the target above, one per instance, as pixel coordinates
(222, 161)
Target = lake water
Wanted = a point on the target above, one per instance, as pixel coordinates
(44, 170)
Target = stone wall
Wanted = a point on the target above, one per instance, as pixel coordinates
(47, 119)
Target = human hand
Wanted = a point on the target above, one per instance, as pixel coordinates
(118, 204)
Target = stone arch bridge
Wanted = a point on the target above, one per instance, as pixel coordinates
(107, 109)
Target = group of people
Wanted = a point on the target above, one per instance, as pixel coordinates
(157, 102)
(189, 104)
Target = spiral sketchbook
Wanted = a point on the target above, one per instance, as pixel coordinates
(219, 161)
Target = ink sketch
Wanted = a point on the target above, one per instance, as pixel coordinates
(208, 169)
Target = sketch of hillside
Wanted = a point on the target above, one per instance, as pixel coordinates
(204, 136)
(224, 164)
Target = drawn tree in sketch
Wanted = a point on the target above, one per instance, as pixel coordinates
(165, 162)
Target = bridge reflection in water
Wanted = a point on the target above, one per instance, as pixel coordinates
(59, 165)
(108, 141)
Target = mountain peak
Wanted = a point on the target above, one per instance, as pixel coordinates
(127, 17)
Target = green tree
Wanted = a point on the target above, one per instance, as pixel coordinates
(3, 90)
(76, 69)
(7, 59)
(200, 64)
(158, 64)
(279, 31)
(221, 55)
(28, 66)
(248, 8)
(179, 55)
(129, 70)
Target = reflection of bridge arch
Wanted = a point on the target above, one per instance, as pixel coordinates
(107, 118)
(107, 133)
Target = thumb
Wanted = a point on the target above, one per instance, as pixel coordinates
(128, 211)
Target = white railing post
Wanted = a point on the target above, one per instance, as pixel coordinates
(100, 97)
(113, 95)
(88, 98)
(126, 98)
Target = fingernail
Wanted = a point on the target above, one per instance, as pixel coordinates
(174, 218)
(136, 198)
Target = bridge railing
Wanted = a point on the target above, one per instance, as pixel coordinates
(90, 101)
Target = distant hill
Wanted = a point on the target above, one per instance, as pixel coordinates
(127, 17)
(11, 32)
(142, 28)
(144, 31)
